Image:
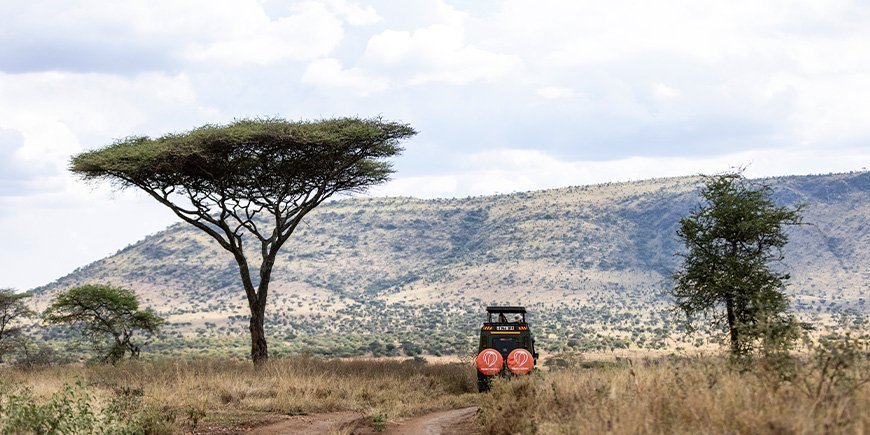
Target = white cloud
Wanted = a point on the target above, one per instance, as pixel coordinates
(649, 63)
(53, 111)
(664, 92)
(328, 73)
(432, 54)
(355, 15)
(554, 92)
(590, 33)
(437, 186)
(137, 35)
(833, 110)
(436, 53)
(310, 31)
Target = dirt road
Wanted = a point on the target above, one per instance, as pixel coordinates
(454, 421)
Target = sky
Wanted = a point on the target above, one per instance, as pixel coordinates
(507, 95)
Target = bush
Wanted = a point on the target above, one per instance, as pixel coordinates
(73, 410)
(68, 411)
(835, 372)
(31, 354)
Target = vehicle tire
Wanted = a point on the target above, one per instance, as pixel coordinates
(483, 382)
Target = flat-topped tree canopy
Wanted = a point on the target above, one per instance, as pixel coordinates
(253, 158)
(251, 178)
(237, 171)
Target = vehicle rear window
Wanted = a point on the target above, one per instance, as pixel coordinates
(505, 344)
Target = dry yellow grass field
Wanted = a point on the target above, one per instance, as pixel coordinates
(223, 393)
(684, 396)
(825, 392)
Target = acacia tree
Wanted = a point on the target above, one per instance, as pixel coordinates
(251, 181)
(107, 316)
(12, 310)
(732, 241)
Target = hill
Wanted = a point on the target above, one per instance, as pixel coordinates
(404, 275)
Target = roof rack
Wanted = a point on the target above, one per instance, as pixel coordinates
(505, 309)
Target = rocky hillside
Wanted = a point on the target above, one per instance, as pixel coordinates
(369, 274)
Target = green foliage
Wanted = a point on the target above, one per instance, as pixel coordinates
(74, 410)
(31, 354)
(127, 413)
(12, 310)
(107, 316)
(726, 276)
(68, 412)
(251, 166)
(251, 155)
(379, 422)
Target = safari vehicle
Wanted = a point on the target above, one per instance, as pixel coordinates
(506, 345)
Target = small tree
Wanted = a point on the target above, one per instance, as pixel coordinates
(732, 239)
(12, 311)
(107, 316)
(251, 181)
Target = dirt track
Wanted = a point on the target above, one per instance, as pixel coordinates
(454, 421)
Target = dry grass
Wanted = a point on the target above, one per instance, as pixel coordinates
(233, 392)
(681, 396)
(663, 395)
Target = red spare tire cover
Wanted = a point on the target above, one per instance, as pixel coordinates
(489, 362)
(520, 361)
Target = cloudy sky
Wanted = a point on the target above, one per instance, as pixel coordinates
(506, 95)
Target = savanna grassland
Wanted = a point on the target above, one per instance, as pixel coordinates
(213, 395)
(821, 392)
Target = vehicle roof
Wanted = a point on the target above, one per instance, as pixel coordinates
(505, 309)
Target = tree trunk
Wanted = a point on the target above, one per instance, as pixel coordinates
(257, 306)
(259, 349)
(732, 327)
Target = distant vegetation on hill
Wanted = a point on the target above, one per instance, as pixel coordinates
(389, 276)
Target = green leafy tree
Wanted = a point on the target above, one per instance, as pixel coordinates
(732, 241)
(12, 311)
(107, 316)
(251, 182)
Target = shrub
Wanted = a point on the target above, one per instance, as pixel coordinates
(73, 410)
(31, 354)
(837, 370)
(68, 411)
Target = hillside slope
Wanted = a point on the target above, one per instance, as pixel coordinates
(591, 261)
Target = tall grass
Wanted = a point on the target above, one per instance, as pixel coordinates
(682, 396)
(822, 393)
(222, 391)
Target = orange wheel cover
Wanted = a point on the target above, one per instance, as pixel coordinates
(489, 362)
(520, 361)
